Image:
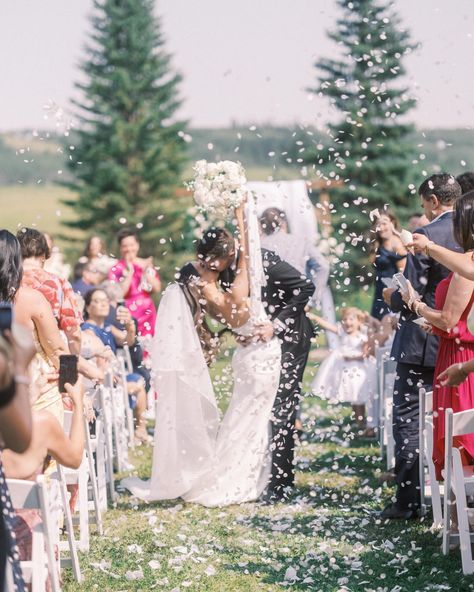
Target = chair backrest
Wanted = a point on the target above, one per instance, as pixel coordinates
(24, 494)
(428, 401)
(462, 422)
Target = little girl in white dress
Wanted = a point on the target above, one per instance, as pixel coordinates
(347, 375)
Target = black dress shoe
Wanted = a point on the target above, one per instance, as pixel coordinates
(393, 512)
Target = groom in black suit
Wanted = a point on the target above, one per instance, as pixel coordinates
(285, 297)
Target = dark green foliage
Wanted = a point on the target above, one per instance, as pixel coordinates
(129, 153)
(370, 149)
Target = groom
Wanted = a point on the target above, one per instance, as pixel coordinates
(285, 297)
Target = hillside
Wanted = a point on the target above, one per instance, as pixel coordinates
(37, 158)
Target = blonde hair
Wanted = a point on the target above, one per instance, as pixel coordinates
(353, 310)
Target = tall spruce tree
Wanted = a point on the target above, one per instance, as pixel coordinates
(370, 152)
(128, 157)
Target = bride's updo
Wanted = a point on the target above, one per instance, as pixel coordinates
(188, 279)
(218, 243)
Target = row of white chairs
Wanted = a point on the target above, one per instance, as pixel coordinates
(450, 497)
(106, 451)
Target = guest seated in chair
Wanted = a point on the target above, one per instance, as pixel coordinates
(97, 309)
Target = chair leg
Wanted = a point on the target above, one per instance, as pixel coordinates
(101, 473)
(76, 569)
(39, 563)
(83, 510)
(462, 515)
(95, 492)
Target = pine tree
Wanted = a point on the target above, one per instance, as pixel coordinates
(128, 157)
(370, 152)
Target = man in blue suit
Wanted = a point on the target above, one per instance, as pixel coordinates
(414, 349)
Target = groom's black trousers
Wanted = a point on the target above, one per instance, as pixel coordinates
(294, 357)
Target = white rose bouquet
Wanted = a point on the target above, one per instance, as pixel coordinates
(219, 187)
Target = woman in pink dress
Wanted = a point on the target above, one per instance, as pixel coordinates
(139, 280)
(454, 299)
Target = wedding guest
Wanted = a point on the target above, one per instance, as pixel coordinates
(15, 430)
(388, 256)
(139, 280)
(95, 253)
(49, 438)
(56, 264)
(86, 277)
(16, 355)
(33, 310)
(466, 180)
(49, 441)
(347, 374)
(414, 350)
(298, 252)
(114, 293)
(97, 308)
(57, 291)
(454, 299)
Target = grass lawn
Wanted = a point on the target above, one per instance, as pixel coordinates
(34, 205)
(327, 538)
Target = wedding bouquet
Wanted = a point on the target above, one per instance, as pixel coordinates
(219, 187)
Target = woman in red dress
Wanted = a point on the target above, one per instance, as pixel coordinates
(454, 299)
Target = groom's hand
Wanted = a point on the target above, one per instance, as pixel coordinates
(264, 331)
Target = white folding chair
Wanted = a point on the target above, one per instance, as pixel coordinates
(118, 423)
(128, 359)
(126, 404)
(381, 354)
(81, 477)
(35, 495)
(388, 376)
(458, 482)
(105, 402)
(96, 453)
(430, 488)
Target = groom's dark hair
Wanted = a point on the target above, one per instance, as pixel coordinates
(216, 242)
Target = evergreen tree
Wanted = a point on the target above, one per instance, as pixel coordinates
(128, 157)
(370, 152)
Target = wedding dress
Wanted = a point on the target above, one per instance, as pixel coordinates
(194, 457)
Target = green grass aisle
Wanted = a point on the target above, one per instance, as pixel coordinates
(327, 538)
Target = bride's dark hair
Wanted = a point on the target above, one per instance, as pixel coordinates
(187, 280)
(216, 243)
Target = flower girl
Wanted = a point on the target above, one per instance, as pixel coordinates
(348, 375)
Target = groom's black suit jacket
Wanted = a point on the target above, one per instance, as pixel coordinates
(285, 296)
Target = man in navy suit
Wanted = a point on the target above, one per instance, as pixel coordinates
(414, 349)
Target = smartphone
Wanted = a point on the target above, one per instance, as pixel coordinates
(6, 316)
(67, 371)
(401, 281)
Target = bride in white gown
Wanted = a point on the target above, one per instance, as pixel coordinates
(195, 457)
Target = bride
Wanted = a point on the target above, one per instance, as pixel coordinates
(195, 456)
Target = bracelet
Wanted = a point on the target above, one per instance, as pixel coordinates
(416, 307)
(461, 369)
(427, 248)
